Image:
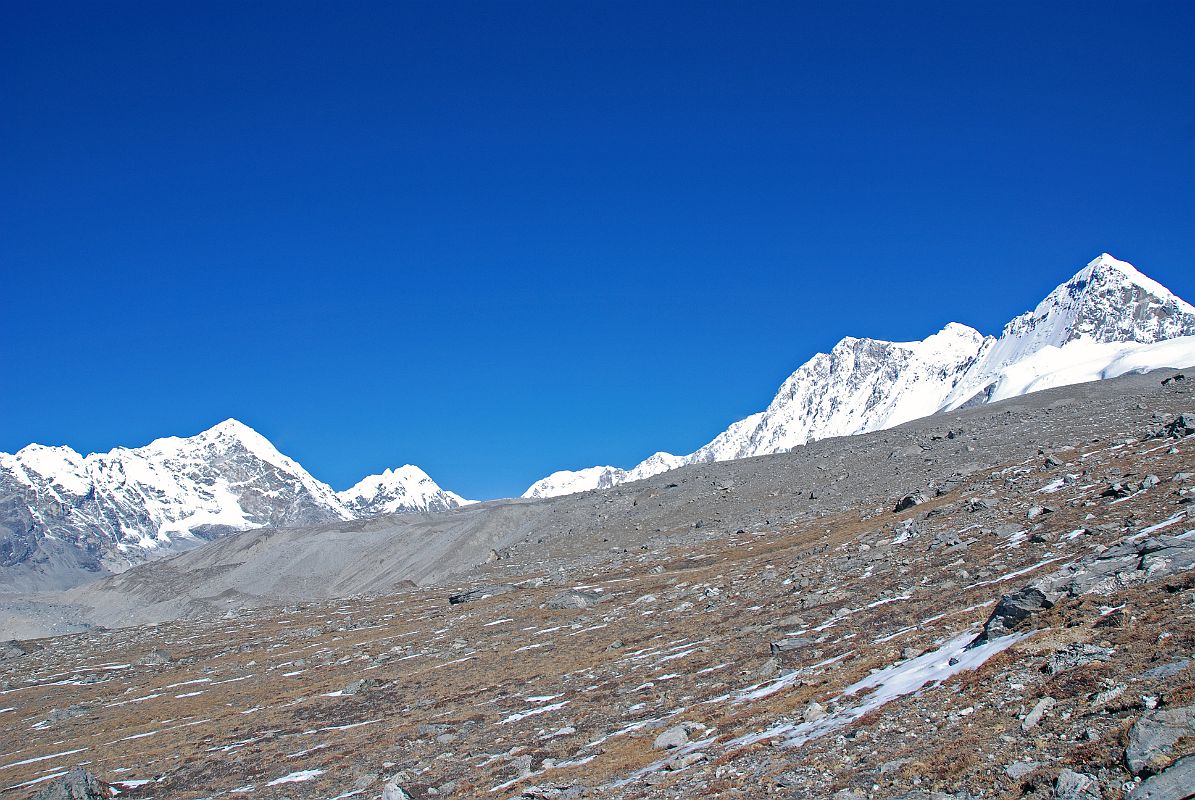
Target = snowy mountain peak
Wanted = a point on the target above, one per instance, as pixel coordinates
(230, 433)
(407, 488)
(1106, 264)
(1106, 320)
(1108, 300)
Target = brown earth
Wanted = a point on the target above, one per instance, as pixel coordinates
(504, 697)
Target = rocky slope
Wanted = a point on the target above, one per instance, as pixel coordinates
(66, 518)
(1107, 320)
(998, 602)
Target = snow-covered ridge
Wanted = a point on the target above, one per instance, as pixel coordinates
(1107, 320)
(120, 507)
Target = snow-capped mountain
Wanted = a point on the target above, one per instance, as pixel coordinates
(62, 513)
(407, 488)
(1107, 320)
(1102, 314)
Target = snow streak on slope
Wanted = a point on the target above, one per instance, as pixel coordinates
(1107, 320)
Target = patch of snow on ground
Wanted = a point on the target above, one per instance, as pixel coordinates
(297, 777)
(889, 683)
(1179, 517)
(533, 712)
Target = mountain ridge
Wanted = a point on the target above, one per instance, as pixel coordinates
(65, 516)
(1108, 316)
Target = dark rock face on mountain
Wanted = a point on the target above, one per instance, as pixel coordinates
(77, 784)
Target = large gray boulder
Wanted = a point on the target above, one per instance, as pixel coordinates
(1176, 783)
(1152, 737)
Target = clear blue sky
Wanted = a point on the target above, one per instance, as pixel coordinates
(499, 239)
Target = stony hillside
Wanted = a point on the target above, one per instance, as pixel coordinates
(997, 603)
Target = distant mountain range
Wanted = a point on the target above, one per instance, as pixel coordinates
(67, 518)
(1107, 320)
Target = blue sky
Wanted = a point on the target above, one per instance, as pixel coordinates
(499, 239)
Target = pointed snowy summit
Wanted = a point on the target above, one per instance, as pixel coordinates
(407, 488)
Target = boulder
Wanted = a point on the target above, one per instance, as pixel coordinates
(1175, 783)
(1038, 511)
(1038, 713)
(1154, 735)
(1071, 785)
(1167, 670)
(1076, 655)
(911, 499)
(789, 645)
(676, 736)
(155, 658)
(359, 686)
(1183, 426)
(1119, 489)
(78, 784)
(392, 791)
(1015, 608)
(1129, 563)
(11, 650)
(1019, 769)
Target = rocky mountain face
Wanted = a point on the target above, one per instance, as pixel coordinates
(65, 516)
(1107, 320)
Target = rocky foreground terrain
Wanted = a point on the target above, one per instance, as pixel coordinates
(997, 602)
